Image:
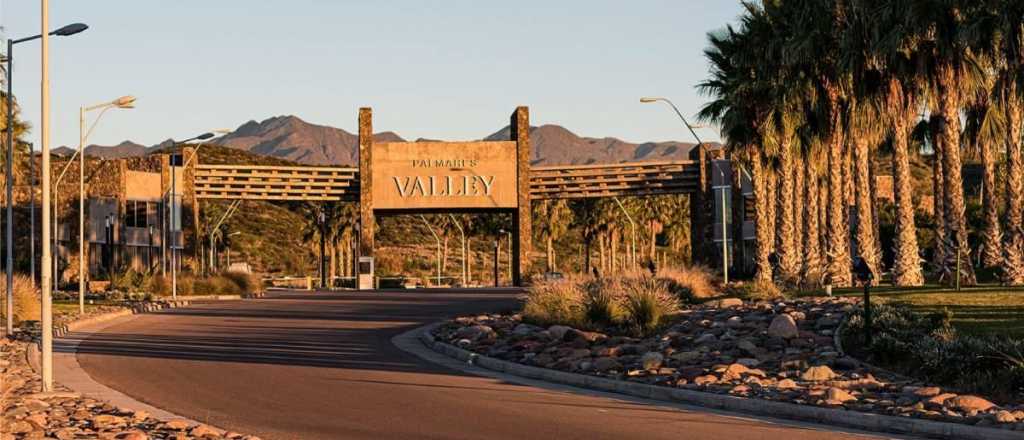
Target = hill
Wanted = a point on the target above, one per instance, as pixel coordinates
(293, 139)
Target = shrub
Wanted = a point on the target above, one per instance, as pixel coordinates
(555, 302)
(158, 285)
(756, 290)
(127, 281)
(647, 303)
(26, 299)
(602, 302)
(689, 283)
(203, 286)
(927, 347)
(248, 284)
(224, 286)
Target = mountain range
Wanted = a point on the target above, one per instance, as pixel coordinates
(291, 138)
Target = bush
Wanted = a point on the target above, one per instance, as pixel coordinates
(555, 302)
(927, 347)
(127, 281)
(248, 284)
(689, 283)
(756, 290)
(647, 303)
(27, 305)
(602, 302)
(158, 285)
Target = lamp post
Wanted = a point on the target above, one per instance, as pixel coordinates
(172, 223)
(725, 244)
(322, 217)
(70, 29)
(462, 234)
(124, 102)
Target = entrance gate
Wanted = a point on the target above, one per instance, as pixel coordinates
(487, 176)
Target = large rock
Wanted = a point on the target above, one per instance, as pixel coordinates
(107, 421)
(969, 403)
(558, 331)
(818, 374)
(178, 425)
(476, 333)
(652, 360)
(686, 357)
(206, 431)
(783, 326)
(734, 372)
(605, 364)
(839, 395)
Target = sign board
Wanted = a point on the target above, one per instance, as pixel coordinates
(444, 175)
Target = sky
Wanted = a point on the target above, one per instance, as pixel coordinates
(451, 69)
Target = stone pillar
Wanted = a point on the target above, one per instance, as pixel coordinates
(701, 215)
(522, 223)
(366, 220)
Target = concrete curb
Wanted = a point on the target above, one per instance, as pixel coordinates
(782, 410)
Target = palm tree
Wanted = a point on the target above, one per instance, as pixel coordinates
(862, 123)
(812, 51)
(935, 33)
(551, 222)
(738, 108)
(984, 127)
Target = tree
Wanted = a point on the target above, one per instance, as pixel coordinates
(551, 221)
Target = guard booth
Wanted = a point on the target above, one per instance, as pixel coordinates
(365, 270)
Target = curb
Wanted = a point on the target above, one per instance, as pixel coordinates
(782, 410)
(64, 329)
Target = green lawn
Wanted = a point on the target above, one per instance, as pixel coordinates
(976, 310)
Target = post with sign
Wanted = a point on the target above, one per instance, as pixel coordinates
(442, 177)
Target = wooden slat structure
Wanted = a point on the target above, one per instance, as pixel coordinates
(614, 180)
(262, 182)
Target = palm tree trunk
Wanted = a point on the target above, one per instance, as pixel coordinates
(838, 239)
(822, 188)
(906, 266)
(771, 186)
(763, 232)
(865, 220)
(992, 251)
(940, 249)
(785, 228)
(601, 252)
(949, 137)
(799, 195)
(812, 237)
(1013, 246)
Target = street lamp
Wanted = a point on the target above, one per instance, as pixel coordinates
(65, 31)
(171, 223)
(725, 242)
(124, 102)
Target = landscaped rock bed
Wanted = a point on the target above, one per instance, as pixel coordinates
(781, 351)
(64, 415)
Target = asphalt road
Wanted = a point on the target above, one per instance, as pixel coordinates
(322, 366)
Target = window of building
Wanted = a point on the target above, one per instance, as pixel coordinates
(137, 213)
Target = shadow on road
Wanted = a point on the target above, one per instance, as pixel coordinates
(333, 330)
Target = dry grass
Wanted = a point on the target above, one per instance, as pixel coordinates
(690, 283)
(26, 299)
(647, 303)
(555, 302)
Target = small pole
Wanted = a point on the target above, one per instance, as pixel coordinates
(496, 248)
(867, 313)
